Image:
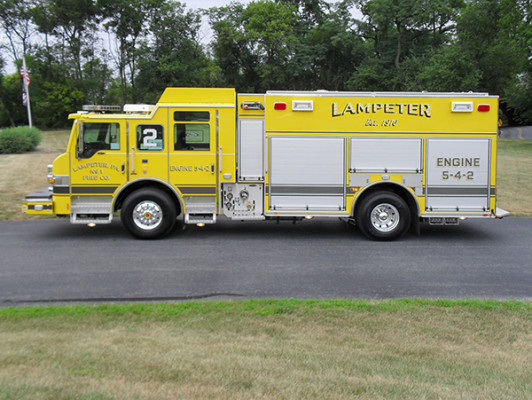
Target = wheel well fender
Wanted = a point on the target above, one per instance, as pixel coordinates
(393, 187)
(129, 188)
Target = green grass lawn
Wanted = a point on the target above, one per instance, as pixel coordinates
(514, 186)
(269, 349)
(27, 173)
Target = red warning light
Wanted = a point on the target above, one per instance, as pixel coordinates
(483, 107)
(279, 106)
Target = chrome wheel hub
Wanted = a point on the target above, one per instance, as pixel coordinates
(385, 217)
(147, 215)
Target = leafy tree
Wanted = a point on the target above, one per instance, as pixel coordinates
(5, 115)
(518, 94)
(127, 20)
(54, 94)
(254, 46)
(401, 36)
(172, 56)
(11, 110)
(15, 20)
(328, 53)
(230, 47)
(72, 21)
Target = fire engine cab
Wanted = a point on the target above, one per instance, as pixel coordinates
(385, 161)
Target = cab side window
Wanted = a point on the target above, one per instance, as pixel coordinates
(191, 132)
(150, 137)
(99, 136)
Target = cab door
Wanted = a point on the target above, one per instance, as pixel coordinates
(193, 152)
(148, 147)
(99, 162)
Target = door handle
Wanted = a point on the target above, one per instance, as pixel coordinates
(133, 160)
(212, 168)
(123, 168)
(220, 159)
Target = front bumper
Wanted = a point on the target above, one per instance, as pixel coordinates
(39, 203)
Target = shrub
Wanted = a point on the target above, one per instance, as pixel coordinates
(19, 140)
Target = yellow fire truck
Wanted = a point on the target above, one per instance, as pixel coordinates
(385, 161)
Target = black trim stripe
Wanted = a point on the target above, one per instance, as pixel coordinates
(459, 191)
(61, 190)
(45, 207)
(197, 190)
(94, 189)
(280, 190)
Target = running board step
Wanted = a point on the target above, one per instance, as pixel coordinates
(200, 210)
(200, 218)
(91, 213)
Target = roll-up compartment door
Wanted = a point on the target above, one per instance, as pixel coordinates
(458, 174)
(307, 173)
(251, 150)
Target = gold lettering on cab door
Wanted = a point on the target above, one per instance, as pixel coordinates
(98, 171)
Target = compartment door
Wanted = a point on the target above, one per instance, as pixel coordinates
(458, 174)
(307, 174)
(251, 150)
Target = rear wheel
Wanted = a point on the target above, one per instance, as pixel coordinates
(383, 216)
(148, 213)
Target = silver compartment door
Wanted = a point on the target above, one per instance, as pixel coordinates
(392, 155)
(307, 173)
(458, 175)
(251, 150)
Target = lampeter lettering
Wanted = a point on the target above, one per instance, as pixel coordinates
(420, 110)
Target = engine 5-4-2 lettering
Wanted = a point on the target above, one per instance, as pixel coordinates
(459, 175)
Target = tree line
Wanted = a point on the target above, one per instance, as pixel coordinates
(128, 51)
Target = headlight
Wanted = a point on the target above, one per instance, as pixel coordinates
(51, 178)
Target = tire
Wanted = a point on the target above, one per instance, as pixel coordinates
(148, 213)
(383, 216)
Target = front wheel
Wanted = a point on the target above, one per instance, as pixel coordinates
(383, 216)
(148, 213)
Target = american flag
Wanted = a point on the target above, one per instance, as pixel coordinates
(25, 75)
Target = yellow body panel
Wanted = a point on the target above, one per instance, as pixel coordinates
(369, 114)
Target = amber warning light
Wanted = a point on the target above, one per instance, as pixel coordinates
(249, 105)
